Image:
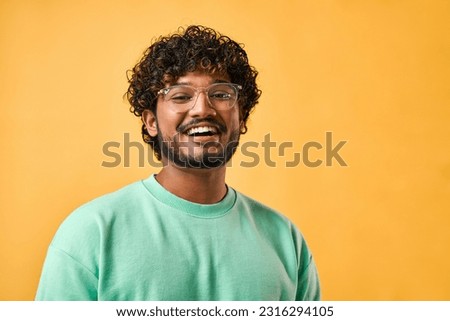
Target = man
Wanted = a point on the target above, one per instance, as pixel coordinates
(183, 234)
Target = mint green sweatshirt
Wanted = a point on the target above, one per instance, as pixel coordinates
(144, 243)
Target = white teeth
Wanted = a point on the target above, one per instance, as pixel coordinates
(199, 130)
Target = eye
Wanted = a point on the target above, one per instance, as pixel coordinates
(180, 98)
(180, 95)
(220, 95)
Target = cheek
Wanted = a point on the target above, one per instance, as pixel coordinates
(168, 122)
(234, 119)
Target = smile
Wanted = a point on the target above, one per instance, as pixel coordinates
(202, 131)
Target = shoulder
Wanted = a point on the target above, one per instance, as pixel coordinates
(261, 211)
(271, 220)
(120, 199)
(91, 218)
(123, 196)
(268, 220)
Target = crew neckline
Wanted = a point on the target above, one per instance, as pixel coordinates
(194, 209)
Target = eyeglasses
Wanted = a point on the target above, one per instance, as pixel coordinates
(220, 96)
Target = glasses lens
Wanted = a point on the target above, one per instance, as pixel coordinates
(222, 96)
(180, 95)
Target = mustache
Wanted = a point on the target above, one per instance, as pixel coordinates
(209, 121)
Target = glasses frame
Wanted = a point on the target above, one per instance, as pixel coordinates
(198, 90)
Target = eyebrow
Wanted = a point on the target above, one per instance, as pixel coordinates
(215, 81)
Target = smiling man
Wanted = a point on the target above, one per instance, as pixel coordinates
(183, 234)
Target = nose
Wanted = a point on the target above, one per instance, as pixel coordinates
(202, 108)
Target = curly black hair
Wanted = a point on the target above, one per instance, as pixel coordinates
(191, 49)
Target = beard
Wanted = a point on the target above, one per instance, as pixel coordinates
(213, 154)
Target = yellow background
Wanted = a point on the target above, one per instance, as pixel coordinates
(374, 73)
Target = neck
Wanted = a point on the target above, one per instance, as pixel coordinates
(204, 186)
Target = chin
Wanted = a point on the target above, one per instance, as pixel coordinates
(204, 161)
(210, 155)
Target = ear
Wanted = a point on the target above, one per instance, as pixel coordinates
(242, 129)
(149, 120)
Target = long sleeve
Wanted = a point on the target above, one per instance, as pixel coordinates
(308, 288)
(308, 284)
(65, 279)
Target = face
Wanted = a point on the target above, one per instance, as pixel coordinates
(201, 137)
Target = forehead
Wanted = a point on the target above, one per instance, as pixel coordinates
(201, 79)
